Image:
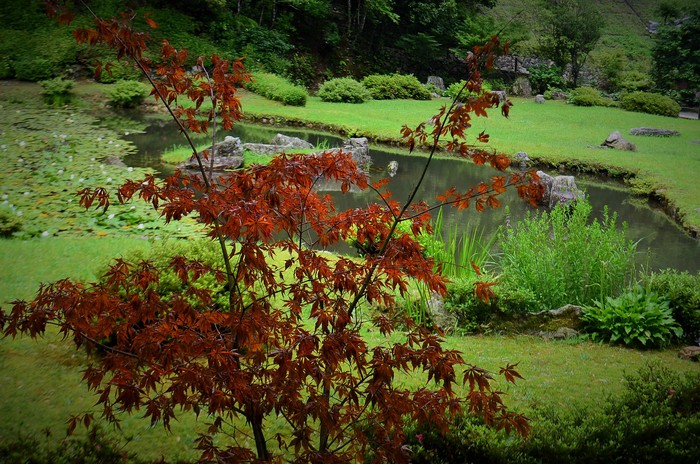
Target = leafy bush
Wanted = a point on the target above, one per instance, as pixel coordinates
(543, 77)
(160, 256)
(682, 290)
(395, 86)
(636, 318)
(118, 71)
(461, 300)
(655, 419)
(343, 90)
(588, 96)
(127, 94)
(652, 103)
(632, 81)
(562, 257)
(277, 88)
(455, 88)
(57, 91)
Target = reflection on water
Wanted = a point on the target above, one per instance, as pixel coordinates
(669, 246)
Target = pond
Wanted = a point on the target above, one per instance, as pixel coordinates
(668, 246)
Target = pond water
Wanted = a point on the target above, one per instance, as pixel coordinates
(662, 244)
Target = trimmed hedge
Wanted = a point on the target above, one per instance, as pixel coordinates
(127, 94)
(274, 87)
(344, 90)
(652, 103)
(395, 86)
(588, 96)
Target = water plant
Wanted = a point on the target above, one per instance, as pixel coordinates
(563, 257)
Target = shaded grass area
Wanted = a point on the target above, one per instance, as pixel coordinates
(552, 133)
(40, 380)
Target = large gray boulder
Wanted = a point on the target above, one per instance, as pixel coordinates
(291, 142)
(539, 99)
(359, 148)
(615, 140)
(227, 154)
(558, 190)
(522, 87)
(437, 82)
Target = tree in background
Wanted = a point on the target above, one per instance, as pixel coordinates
(285, 344)
(568, 31)
(677, 56)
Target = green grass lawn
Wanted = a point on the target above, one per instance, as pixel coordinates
(40, 380)
(552, 133)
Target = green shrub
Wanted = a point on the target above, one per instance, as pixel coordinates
(543, 77)
(637, 318)
(57, 91)
(652, 103)
(682, 290)
(588, 96)
(343, 90)
(277, 88)
(632, 81)
(118, 71)
(395, 86)
(454, 89)
(127, 94)
(160, 255)
(655, 419)
(562, 257)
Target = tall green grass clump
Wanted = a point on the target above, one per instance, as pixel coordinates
(274, 87)
(563, 257)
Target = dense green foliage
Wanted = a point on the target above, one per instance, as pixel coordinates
(457, 90)
(127, 94)
(677, 55)
(563, 257)
(57, 91)
(682, 290)
(160, 255)
(277, 88)
(636, 318)
(588, 96)
(395, 86)
(543, 78)
(343, 90)
(652, 103)
(655, 419)
(568, 32)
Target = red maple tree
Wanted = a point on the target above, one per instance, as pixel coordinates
(288, 345)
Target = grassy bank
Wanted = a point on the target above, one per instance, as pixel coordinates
(553, 133)
(40, 381)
